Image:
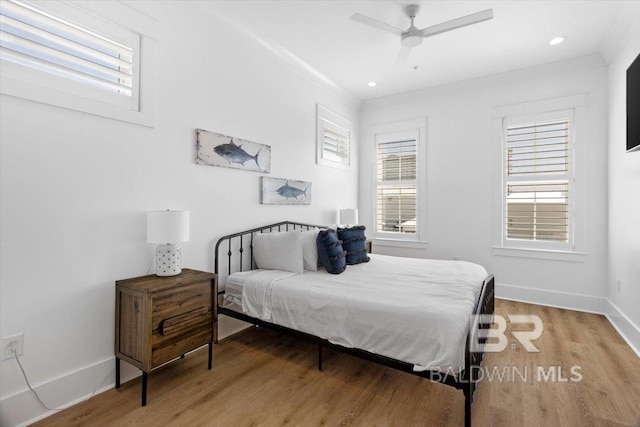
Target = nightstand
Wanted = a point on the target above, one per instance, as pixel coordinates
(159, 319)
(368, 245)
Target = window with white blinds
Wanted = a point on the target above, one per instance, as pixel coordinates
(36, 39)
(85, 56)
(335, 143)
(538, 181)
(396, 195)
(333, 139)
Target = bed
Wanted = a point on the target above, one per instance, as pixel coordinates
(408, 314)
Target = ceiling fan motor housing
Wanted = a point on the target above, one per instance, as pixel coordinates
(412, 37)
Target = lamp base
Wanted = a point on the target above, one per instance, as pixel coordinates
(168, 260)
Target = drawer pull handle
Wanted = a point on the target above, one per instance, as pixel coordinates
(183, 321)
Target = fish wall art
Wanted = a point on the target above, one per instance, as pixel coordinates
(278, 191)
(215, 149)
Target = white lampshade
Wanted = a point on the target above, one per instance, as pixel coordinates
(348, 216)
(167, 226)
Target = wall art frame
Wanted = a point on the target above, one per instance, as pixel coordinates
(281, 191)
(216, 149)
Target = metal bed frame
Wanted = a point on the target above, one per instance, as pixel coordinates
(465, 381)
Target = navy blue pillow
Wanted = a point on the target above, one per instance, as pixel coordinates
(330, 251)
(354, 242)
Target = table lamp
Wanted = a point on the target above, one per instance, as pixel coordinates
(167, 228)
(348, 217)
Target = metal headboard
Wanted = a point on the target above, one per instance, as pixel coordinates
(238, 259)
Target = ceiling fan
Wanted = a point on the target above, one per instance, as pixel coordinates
(412, 37)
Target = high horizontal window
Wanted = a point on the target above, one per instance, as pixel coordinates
(39, 40)
(538, 181)
(396, 195)
(86, 56)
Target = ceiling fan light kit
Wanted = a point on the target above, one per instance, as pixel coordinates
(412, 36)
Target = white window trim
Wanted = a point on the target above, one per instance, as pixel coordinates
(573, 251)
(337, 123)
(419, 129)
(36, 86)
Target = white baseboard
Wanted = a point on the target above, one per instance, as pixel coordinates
(629, 331)
(587, 303)
(21, 408)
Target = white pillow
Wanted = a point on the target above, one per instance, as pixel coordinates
(310, 249)
(278, 251)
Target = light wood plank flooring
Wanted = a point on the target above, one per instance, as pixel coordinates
(261, 378)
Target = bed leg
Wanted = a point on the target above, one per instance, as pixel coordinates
(210, 355)
(467, 406)
(319, 357)
(117, 372)
(144, 388)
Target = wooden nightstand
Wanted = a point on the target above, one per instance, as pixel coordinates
(159, 319)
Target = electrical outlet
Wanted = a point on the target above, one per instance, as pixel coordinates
(15, 341)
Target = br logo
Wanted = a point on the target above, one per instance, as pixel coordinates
(494, 340)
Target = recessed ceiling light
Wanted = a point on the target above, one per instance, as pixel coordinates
(372, 84)
(556, 40)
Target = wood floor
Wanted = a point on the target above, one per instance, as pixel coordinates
(260, 378)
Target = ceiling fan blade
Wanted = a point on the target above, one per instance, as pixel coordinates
(403, 56)
(463, 21)
(363, 19)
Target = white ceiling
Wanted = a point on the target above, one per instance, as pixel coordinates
(320, 36)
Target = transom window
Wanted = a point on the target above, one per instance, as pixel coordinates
(85, 56)
(39, 40)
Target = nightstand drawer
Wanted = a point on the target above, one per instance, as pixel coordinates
(179, 302)
(168, 348)
(182, 322)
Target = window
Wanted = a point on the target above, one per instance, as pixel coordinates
(38, 40)
(396, 184)
(538, 205)
(398, 148)
(537, 181)
(333, 139)
(65, 54)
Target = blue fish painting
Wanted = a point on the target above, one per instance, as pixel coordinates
(278, 191)
(215, 149)
(234, 153)
(289, 192)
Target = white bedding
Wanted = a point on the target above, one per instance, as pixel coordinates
(413, 310)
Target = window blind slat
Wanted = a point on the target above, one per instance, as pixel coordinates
(43, 20)
(20, 58)
(62, 59)
(35, 34)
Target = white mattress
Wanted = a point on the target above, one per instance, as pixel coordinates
(413, 310)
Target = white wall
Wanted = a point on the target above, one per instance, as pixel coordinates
(624, 198)
(75, 189)
(460, 178)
